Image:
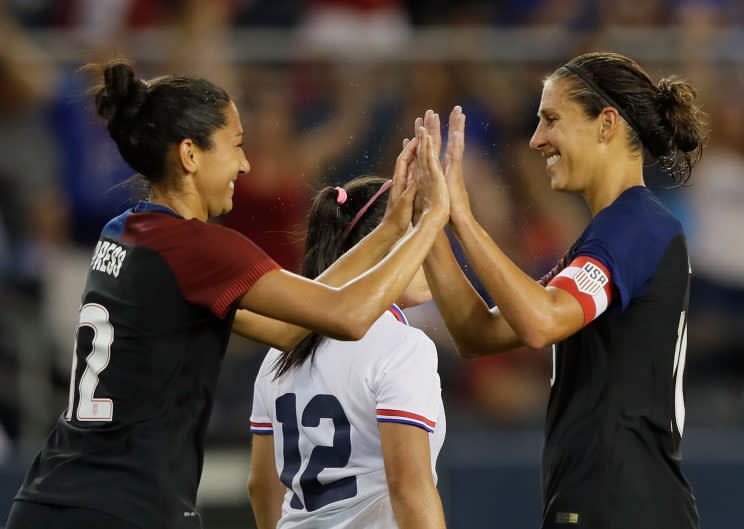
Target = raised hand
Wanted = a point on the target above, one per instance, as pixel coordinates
(434, 128)
(431, 195)
(403, 189)
(459, 201)
(431, 123)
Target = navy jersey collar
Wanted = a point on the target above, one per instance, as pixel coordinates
(144, 206)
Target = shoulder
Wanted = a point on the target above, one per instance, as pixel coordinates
(397, 335)
(629, 238)
(115, 227)
(266, 371)
(638, 219)
(389, 344)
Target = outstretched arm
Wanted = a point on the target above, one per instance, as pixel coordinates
(363, 256)
(475, 329)
(537, 316)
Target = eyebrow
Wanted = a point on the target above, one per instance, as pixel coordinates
(544, 111)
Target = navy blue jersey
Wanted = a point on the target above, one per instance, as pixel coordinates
(156, 316)
(616, 413)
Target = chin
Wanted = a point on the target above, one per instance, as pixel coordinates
(556, 184)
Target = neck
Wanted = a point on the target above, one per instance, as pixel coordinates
(606, 187)
(183, 202)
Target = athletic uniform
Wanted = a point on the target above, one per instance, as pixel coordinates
(616, 414)
(323, 416)
(156, 316)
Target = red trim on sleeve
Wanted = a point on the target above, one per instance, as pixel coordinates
(405, 414)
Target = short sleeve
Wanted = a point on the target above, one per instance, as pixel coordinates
(226, 266)
(260, 413)
(409, 391)
(628, 239)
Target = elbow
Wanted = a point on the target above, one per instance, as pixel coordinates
(254, 489)
(539, 335)
(407, 493)
(353, 326)
(286, 346)
(354, 330)
(467, 352)
(536, 340)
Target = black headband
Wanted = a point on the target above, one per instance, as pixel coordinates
(604, 95)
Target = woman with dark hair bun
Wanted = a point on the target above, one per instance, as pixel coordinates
(614, 308)
(160, 302)
(382, 394)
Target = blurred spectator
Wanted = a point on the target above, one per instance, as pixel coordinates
(717, 292)
(32, 219)
(288, 161)
(351, 27)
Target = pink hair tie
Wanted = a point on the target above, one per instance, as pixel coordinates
(342, 196)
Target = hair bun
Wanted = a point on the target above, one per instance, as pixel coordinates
(122, 94)
(678, 106)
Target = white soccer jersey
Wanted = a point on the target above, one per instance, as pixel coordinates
(324, 416)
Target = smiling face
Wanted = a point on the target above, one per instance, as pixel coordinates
(568, 139)
(221, 165)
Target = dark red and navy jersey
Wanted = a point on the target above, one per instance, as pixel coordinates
(616, 414)
(156, 316)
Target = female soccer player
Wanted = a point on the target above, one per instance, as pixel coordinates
(346, 434)
(615, 306)
(160, 300)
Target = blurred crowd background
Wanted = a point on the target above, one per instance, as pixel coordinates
(327, 90)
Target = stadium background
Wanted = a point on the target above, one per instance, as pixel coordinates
(327, 89)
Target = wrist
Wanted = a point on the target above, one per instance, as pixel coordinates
(462, 221)
(390, 229)
(436, 215)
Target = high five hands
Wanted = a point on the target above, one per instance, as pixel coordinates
(422, 157)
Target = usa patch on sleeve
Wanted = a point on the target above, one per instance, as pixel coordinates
(588, 281)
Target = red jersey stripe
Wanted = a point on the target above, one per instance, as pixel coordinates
(409, 415)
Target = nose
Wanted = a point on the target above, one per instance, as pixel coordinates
(245, 166)
(537, 142)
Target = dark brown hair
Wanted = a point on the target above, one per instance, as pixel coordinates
(324, 244)
(147, 118)
(665, 118)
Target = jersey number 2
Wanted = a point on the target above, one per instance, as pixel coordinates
(96, 317)
(316, 494)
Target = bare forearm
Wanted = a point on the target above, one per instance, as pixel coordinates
(526, 305)
(369, 295)
(418, 507)
(267, 509)
(360, 258)
(474, 328)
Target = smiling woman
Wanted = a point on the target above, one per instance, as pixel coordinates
(614, 308)
(160, 302)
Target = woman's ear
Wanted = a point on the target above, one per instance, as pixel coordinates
(609, 120)
(188, 155)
